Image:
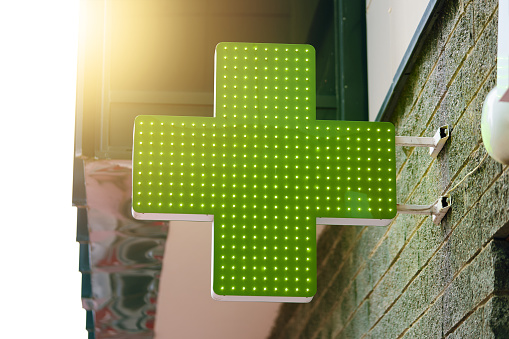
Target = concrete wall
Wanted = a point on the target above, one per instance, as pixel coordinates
(414, 279)
(390, 25)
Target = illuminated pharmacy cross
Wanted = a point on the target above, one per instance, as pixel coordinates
(266, 169)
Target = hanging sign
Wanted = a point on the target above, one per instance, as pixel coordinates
(265, 171)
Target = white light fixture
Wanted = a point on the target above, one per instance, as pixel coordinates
(495, 112)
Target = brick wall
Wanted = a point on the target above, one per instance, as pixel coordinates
(414, 279)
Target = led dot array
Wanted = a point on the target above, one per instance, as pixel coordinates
(275, 81)
(265, 168)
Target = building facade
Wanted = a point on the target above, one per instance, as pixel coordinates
(411, 279)
(415, 279)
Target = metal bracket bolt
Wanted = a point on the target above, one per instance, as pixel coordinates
(435, 143)
(438, 210)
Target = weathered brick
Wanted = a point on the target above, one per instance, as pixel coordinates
(430, 186)
(430, 237)
(415, 278)
(456, 49)
(451, 13)
(496, 317)
(380, 299)
(385, 328)
(466, 131)
(337, 320)
(471, 327)
(483, 10)
(501, 265)
(405, 310)
(370, 237)
(465, 241)
(336, 260)
(400, 231)
(363, 284)
(342, 291)
(379, 262)
(401, 155)
(433, 280)
(468, 193)
(392, 284)
(416, 296)
(474, 186)
(467, 237)
(494, 211)
(424, 108)
(457, 300)
(357, 326)
(426, 62)
(344, 277)
(414, 169)
(347, 304)
(474, 70)
(409, 260)
(397, 319)
(429, 325)
(414, 83)
(432, 320)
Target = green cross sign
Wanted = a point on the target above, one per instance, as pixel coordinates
(265, 171)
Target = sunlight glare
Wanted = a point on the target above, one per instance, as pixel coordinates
(38, 61)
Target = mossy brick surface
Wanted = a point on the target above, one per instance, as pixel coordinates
(465, 80)
(465, 241)
(416, 166)
(425, 64)
(466, 133)
(457, 300)
(472, 327)
(431, 237)
(379, 262)
(401, 230)
(429, 325)
(392, 284)
(497, 215)
(415, 279)
(496, 317)
(340, 263)
(357, 325)
(483, 11)
(501, 266)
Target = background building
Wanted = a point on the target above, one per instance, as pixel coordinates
(419, 66)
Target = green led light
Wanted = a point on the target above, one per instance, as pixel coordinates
(265, 190)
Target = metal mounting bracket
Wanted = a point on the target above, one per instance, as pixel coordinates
(438, 210)
(435, 143)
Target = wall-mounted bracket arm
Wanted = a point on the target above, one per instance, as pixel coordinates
(435, 143)
(436, 210)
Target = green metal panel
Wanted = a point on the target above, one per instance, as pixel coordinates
(265, 168)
